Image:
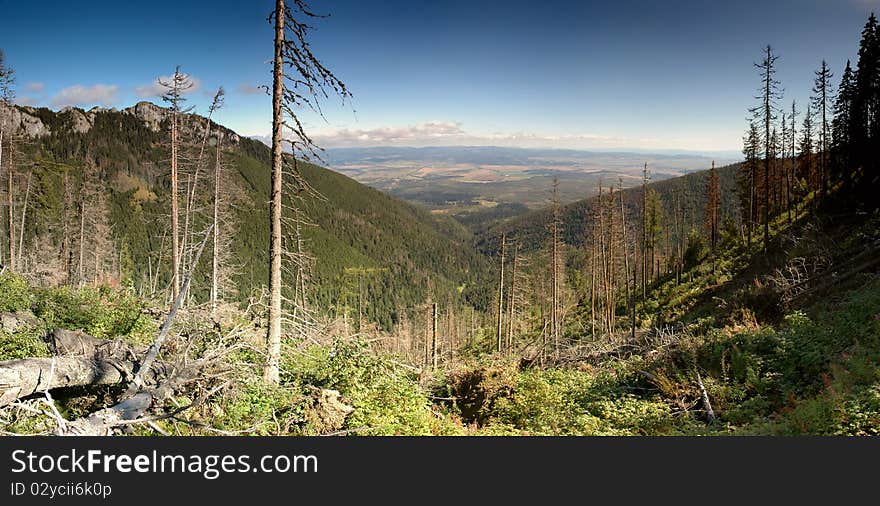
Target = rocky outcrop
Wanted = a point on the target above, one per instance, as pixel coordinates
(148, 112)
(80, 122)
(22, 120)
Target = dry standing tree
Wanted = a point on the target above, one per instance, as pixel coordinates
(175, 87)
(299, 81)
(7, 96)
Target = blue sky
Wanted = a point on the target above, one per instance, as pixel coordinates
(579, 74)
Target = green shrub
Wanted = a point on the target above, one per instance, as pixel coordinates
(387, 399)
(14, 293)
(27, 342)
(103, 312)
(259, 409)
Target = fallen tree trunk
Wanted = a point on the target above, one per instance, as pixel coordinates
(149, 380)
(79, 344)
(24, 377)
(81, 360)
(102, 422)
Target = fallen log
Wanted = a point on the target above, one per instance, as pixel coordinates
(24, 377)
(28, 376)
(80, 360)
(143, 389)
(102, 422)
(79, 344)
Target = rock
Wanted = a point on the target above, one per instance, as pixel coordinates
(80, 122)
(148, 112)
(22, 120)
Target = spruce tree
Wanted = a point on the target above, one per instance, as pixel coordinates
(865, 114)
(765, 113)
(841, 124)
(821, 104)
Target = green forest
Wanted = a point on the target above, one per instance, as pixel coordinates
(153, 257)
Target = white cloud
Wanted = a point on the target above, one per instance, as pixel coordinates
(424, 133)
(449, 133)
(99, 94)
(250, 89)
(154, 89)
(35, 87)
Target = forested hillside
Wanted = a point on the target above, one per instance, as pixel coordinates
(740, 300)
(682, 201)
(360, 241)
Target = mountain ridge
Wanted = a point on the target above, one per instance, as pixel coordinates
(413, 254)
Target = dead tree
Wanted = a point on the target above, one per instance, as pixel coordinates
(630, 290)
(554, 271)
(7, 97)
(500, 312)
(191, 194)
(138, 381)
(175, 88)
(80, 360)
(10, 188)
(215, 258)
(713, 210)
(644, 265)
(511, 304)
(307, 82)
(822, 93)
(704, 399)
(434, 343)
(24, 208)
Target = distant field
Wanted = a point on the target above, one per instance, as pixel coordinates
(480, 185)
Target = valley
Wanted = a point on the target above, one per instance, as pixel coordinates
(479, 186)
(168, 269)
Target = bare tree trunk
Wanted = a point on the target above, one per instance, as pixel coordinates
(1, 169)
(593, 266)
(27, 194)
(175, 239)
(301, 259)
(611, 276)
(184, 237)
(645, 232)
(511, 315)
(23, 377)
(500, 312)
(216, 242)
(271, 373)
(10, 176)
(554, 264)
(82, 231)
(360, 321)
(629, 300)
(434, 343)
(80, 360)
(191, 188)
